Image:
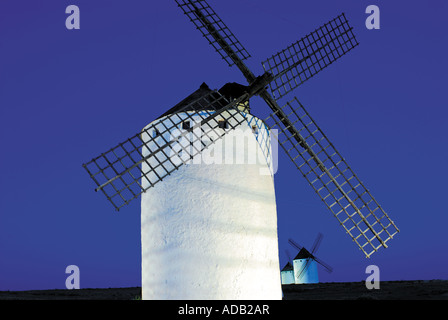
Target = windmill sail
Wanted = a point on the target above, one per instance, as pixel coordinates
(326, 266)
(332, 179)
(218, 35)
(303, 254)
(214, 30)
(138, 163)
(317, 242)
(310, 55)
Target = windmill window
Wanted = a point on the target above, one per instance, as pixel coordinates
(255, 129)
(223, 124)
(186, 125)
(156, 133)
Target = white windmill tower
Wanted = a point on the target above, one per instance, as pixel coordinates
(207, 226)
(287, 272)
(208, 223)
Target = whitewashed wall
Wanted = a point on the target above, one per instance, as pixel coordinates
(309, 275)
(209, 230)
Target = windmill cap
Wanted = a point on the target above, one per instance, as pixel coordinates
(230, 90)
(303, 254)
(288, 267)
(233, 90)
(202, 91)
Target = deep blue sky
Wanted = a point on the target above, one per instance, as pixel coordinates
(66, 96)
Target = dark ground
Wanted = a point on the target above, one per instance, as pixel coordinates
(389, 290)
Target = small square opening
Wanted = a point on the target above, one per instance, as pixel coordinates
(255, 129)
(223, 124)
(186, 125)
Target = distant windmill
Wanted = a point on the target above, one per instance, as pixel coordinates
(305, 263)
(216, 221)
(287, 272)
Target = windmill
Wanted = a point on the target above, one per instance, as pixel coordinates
(305, 262)
(166, 149)
(287, 272)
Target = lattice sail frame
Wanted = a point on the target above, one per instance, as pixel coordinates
(332, 179)
(207, 21)
(310, 55)
(160, 148)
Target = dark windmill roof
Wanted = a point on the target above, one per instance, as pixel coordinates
(303, 254)
(229, 90)
(202, 91)
(288, 267)
(233, 90)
